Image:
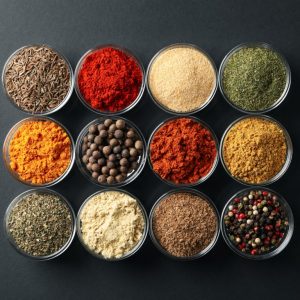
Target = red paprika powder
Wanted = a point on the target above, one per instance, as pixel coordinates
(109, 79)
(182, 151)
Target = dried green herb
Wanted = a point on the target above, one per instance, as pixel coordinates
(40, 224)
(254, 78)
(37, 79)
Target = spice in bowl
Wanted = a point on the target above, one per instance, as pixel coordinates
(37, 79)
(256, 223)
(254, 78)
(183, 151)
(109, 79)
(112, 224)
(184, 224)
(255, 149)
(181, 78)
(39, 151)
(112, 151)
(40, 224)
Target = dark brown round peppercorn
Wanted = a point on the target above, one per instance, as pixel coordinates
(110, 164)
(123, 169)
(112, 128)
(120, 124)
(134, 165)
(93, 147)
(123, 162)
(102, 179)
(91, 137)
(101, 127)
(95, 175)
(113, 172)
(98, 140)
(139, 145)
(103, 133)
(110, 179)
(111, 157)
(133, 152)
(130, 134)
(120, 178)
(113, 142)
(106, 150)
(108, 122)
(117, 149)
(89, 152)
(128, 143)
(84, 147)
(96, 167)
(89, 166)
(125, 153)
(105, 170)
(96, 154)
(92, 160)
(101, 162)
(93, 129)
(118, 134)
(85, 159)
(85, 139)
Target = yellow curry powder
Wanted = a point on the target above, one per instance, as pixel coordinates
(255, 150)
(40, 151)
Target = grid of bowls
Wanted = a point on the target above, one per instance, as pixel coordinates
(76, 152)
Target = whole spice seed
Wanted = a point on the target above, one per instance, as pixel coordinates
(40, 151)
(109, 79)
(112, 224)
(254, 78)
(254, 150)
(181, 79)
(256, 222)
(184, 224)
(111, 151)
(182, 151)
(37, 79)
(40, 224)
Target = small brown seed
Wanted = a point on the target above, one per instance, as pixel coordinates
(102, 179)
(139, 145)
(110, 179)
(118, 134)
(120, 124)
(108, 122)
(93, 129)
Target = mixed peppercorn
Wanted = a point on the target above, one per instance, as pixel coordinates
(256, 222)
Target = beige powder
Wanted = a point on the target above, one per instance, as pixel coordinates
(112, 224)
(182, 79)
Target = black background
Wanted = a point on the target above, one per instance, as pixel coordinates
(144, 27)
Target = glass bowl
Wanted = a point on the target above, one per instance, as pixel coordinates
(156, 242)
(11, 239)
(288, 156)
(67, 97)
(209, 99)
(10, 136)
(108, 113)
(88, 175)
(137, 246)
(181, 185)
(255, 45)
(283, 243)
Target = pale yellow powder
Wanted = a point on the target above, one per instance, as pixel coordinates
(182, 79)
(112, 224)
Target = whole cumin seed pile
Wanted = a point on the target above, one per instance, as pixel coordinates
(184, 224)
(37, 79)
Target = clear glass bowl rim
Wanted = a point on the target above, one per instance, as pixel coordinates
(19, 198)
(67, 97)
(255, 45)
(289, 154)
(81, 166)
(204, 124)
(11, 134)
(127, 52)
(202, 196)
(213, 92)
(283, 243)
(136, 248)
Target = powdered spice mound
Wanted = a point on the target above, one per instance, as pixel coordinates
(109, 79)
(184, 224)
(182, 151)
(255, 150)
(40, 151)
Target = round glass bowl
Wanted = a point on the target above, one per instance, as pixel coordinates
(255, 45)
(202, 179)
(10, 136)
(158, 103)
(20, 198)
(59, 106)
(136, 248)
(86, 172)
(288, 156)
(156, 242)
(283, 243)
(128, 53)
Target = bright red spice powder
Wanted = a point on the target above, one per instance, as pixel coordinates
(182, 151)
(109, 79)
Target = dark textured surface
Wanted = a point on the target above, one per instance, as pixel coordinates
(144, 27)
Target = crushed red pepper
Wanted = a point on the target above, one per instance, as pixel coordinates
(182, 151)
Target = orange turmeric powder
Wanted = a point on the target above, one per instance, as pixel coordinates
(40, 151)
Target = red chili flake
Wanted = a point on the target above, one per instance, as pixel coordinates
(241, 216)
(253, 251)
(265, 193)
(236, 200)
